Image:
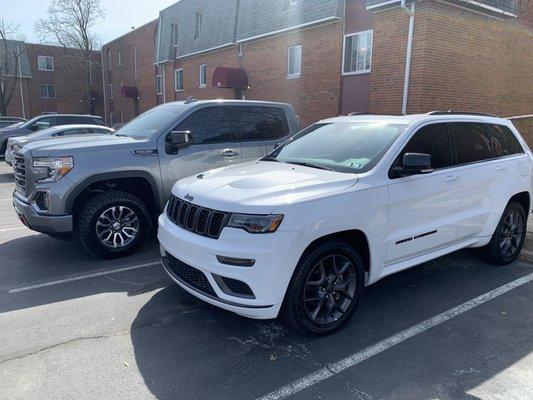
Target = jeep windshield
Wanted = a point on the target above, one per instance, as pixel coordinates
(352, 147)
(151, 121)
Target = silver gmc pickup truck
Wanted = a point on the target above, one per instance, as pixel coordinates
(108, 192)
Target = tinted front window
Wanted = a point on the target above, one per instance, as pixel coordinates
(504, 142)
(261, 123)
(472, 142)
(211, 125)
(353, 147)
(45, 122)
(151, 121)
(433, 140)
(71, 119)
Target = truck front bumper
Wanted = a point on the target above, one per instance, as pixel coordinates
(49, 224)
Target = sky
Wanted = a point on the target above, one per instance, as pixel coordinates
(120, 15)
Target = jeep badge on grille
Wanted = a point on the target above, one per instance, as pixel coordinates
(189, 197)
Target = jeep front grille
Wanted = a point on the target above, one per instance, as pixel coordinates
(200, 220)
(19, 171)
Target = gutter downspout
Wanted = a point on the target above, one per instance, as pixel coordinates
(411, 12)
(102, 63)
(20, 84)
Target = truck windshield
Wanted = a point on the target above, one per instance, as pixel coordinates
(151, 121)
(352, 147)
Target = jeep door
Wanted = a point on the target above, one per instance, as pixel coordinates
(212, 129)
(488, 157)
(424, 209)
(261, 128)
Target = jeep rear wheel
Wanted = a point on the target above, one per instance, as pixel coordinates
(325, 288)
(113, 224)
(509, 236)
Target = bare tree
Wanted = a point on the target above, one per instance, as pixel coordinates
(11, 54)
(69, 24)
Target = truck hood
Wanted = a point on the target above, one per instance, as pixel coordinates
(24, 140)
(75, 144)
(259, 187)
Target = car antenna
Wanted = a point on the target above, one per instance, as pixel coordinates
(190, 99)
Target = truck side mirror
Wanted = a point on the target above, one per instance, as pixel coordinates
(179, 139)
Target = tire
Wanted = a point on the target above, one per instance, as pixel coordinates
(106, 206)
(513, 233)
(299, 306)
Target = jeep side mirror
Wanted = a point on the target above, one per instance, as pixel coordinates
(34, 127)
(416, 164)
(179, 139)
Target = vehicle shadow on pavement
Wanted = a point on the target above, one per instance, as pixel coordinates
(187, 349)
(36, 259)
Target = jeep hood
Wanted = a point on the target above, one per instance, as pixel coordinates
(75, 144)
(260, 186)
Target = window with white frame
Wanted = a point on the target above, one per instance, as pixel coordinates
(295, 62)
(45, 63)
(111, 91)
(120, 58)
(358, 52)
(198, 25)
(48, 91)
(202, 75)
(109, 61)
(178, 80)
(159, 84)
(111, 119)
(134, 61)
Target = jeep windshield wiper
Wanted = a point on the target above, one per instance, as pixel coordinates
(269, 159)
(310, 165)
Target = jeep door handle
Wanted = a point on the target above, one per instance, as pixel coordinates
(451, 178)
(500, 168)
(229, 153)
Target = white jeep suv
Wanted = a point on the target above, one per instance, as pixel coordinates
(342, 204)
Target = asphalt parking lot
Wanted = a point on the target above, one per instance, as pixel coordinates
(76, 327)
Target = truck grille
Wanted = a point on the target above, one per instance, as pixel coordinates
(200, 220)
(188, 274)
(19, 171)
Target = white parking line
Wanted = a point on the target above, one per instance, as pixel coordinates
(12, 228)
(81, 277)
(335, 368)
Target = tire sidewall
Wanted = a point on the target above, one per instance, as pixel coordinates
(495, 246)
(305, 266)
(88, 230)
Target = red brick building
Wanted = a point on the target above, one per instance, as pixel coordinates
(53, 80)
(129, 74)
(333, 57)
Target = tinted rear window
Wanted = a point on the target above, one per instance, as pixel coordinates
(472, 142)
(261, 123)
(504, 142)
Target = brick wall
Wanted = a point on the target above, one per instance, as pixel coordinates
(16, 108)
(142, 40)
(68, 77)
(315, 95)
(461, 60)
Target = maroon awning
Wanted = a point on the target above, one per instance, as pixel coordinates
(233, 78)
(129, 91)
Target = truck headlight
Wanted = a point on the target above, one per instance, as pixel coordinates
(52, 167)
(255, 223)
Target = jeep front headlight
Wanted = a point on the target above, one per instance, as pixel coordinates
(255, 223)
(52, 167)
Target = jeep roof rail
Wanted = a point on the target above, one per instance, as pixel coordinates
(358, 113)
(452, 112)
(190, 99)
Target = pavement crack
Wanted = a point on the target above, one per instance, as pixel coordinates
(52, 346)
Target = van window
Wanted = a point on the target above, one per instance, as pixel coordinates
(433, 140)
(211, 125)
(504, 142)
(472, 142)
(261, 123)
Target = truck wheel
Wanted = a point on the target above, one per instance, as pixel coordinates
(508, 238)
(113, 224)
(325, 288)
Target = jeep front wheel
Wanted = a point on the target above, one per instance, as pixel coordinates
(113, 224)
